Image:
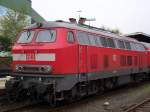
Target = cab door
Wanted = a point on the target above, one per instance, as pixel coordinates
(83, 58)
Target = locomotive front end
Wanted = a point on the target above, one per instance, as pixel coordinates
(34, 58)
(39, 56)
(34, 51)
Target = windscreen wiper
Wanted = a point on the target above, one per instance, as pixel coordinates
(28, 34)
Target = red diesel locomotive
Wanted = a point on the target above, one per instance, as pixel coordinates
(55, 61)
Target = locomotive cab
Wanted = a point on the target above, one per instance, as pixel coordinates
(45, 60)
(44, 51)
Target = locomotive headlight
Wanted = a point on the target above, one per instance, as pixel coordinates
(46, 68)
(49, 68)
(19, 68)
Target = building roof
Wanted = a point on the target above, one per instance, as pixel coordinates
(35, 16)
(140, 36)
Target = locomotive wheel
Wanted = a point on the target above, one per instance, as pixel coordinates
(50, 97)
(115, 81)
(13, 91)
(71, 95)
(11, 95)
(108, 84)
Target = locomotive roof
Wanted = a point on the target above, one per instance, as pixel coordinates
(86, 28)
(146, 44)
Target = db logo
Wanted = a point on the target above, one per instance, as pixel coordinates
(30, 57)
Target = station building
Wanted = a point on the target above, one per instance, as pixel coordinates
(140, 36)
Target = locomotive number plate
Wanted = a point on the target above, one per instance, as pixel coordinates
(30, 56)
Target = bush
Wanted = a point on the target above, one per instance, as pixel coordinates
(5, 43)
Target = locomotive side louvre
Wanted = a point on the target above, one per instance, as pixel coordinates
(70, 60)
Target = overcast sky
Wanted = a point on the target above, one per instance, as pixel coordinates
(127, 15)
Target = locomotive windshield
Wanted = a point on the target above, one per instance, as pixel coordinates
(26, 37)
(46, 36)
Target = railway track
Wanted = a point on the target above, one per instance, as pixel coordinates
(17, 107)
(14, 106)
(2, 92)
(33, 106)
(143, 106)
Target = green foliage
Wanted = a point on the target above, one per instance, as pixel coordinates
(5, 42)
(116, 31)
(11, 25)
(5, 61)
(20, 5)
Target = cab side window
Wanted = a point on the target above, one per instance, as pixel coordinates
(103, 41)
(121, 44)
(70, 37)
(128, 46)
(83, 38)
(111, 43)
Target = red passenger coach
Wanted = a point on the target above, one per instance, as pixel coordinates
(147, 46)
(55, 61)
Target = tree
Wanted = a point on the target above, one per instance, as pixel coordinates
(116, 31)
(5, 42)
(11, 25)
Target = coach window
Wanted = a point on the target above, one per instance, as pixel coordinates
(92, 40)
(141, 47)
(128, 46)
(83, 38)
(70, 37)
(133, 46)
(137, 47)
(103, 41)
(120, 44)
(111, 43)
(98, 42)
